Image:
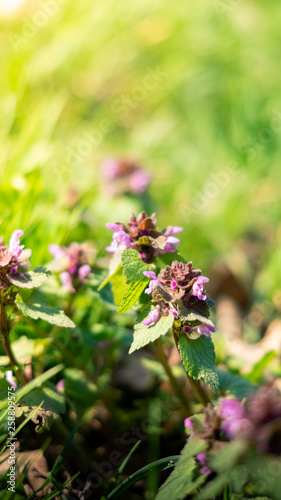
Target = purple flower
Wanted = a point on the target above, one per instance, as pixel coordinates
(56, 251)
(200, 329)
(173, 310)
(84, 271)
(198, 287)
(66, 279)
(189, 427)
(114, 227)
(138, 181)
(152, 317)
(232, 413)
(203, 462)
(60, 385)
(15, 248)
(9, 377)
(110, 169)
(153, 283)
(171, 239)
(121, 240)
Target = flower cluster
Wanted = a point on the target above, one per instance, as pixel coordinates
(73, 263)
(14, 261)
(124, 176)
(142, 235)
(257, 422)
(179, 290)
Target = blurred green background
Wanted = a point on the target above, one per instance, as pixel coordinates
(191, 90)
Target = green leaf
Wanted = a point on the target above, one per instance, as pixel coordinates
(194, 317)
(133, 269)
(26, 389)
(110, 276)
(184, 479)
(37, 306)
(144, 334)
(53, 405)
(132, 295)
(32, 279)
(223, 463)
(256, 374)
(198, 357)
(118, 285)
(234, 384)
(4, 386)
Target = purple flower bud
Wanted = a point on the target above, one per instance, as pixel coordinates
(198, 287)
(153, 283)
(9, 377)
(60, 386)
(152, 317)
(110, 169)
(114, 227)
(84, 271)
(200, 329)
(66, 279)
(14, 245)
(173, 310)
(56, 251)
(203, 462)
(189, 426)
(138, 181)
(232, 413)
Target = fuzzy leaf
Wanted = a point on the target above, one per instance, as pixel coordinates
(118, 285)
(133, 269)
(37, 306)
(144, 334)
(133, 266)
(193, 316)
(132, 295)
(184, 479)
(32, 279)
(234, 384)
(52, 406)
(198, 357)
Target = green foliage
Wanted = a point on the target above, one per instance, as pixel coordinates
(53, 405)
(222, 463)
(144, 334)
(198, 357)
(185, 477)
(133, 269)
(79, 388)
(37, 306)
(32, 279)
(258, 369)
(236, 385)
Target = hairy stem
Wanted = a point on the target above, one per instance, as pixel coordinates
(199, 391)
(174, 383)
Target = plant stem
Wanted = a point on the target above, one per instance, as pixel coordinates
(5, 330)
(176, 386)
(199, 391)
